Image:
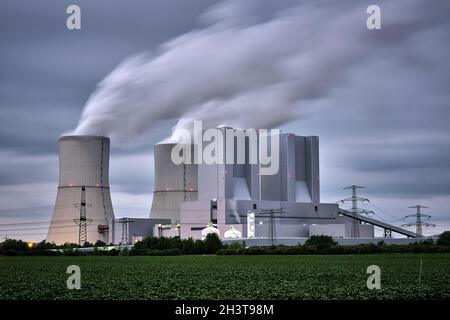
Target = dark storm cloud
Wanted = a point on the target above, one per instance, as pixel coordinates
(388, 127)
(247, 67)
(18, 169)
(47, 72)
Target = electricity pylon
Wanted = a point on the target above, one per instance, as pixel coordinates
(419, 221)
(355, 210)
(82, 221)
(271, 212)
(125, 230)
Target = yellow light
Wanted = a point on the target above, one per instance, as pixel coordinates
(30, 245)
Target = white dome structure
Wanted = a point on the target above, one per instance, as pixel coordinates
(232, 233)
(209, 229)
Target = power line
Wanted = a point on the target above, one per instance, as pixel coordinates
(44, 227)
(383, 211)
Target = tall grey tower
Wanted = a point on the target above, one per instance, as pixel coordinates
(83, 207)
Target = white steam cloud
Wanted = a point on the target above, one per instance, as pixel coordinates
(251, 66)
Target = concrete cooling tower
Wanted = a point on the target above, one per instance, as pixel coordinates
(83, 209)
(173, 184)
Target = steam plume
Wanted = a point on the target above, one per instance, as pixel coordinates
(248, 69)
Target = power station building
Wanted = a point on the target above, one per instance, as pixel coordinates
(286, 203)
(235, 200)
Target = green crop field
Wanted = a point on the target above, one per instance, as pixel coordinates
(227, 277)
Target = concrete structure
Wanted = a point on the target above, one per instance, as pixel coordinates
(173, 184)
(166, 229)
(194, 195)
(293, 241)
(83, 162)
(343, 230)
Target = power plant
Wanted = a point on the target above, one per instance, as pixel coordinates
(287, 202)
(234, 200)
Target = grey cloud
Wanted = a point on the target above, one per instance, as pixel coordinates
(246, 67)
(47, 72)
(383, 122)
(19, 169)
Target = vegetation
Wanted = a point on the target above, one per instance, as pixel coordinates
(322, 242)
(444, 239)
(212, 245)
(308, 249)
(231, 277)
(176, 246)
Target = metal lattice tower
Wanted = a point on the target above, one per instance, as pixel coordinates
(355, 210)
(271, 213)
(125, 231)
(419, 221)
(82, 223)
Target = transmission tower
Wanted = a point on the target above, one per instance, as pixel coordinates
(125, 230)
(271, 213)
(82, 221)
(419, 221)
(355, 210)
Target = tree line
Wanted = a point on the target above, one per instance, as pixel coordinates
(212, 245)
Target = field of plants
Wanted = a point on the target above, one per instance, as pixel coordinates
(227, 277)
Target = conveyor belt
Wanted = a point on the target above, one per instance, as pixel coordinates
(378, 223)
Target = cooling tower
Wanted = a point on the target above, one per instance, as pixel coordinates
(83, 173)
(173, 184)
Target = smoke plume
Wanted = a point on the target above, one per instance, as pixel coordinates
(250, 65)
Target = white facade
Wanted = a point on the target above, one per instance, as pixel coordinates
(83, 162)
(342, 230)
(224, 193)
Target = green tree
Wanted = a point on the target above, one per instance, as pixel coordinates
(212, 243)
(199, 247)
(99, 243)
(321, 242)
(87, 245)
(444, 239)
(12, 246)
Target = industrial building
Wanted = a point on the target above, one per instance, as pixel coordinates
(233, 200)
(286, 204)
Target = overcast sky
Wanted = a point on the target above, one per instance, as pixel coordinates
(384, 126)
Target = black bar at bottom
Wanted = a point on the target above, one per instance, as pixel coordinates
(215, 309)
